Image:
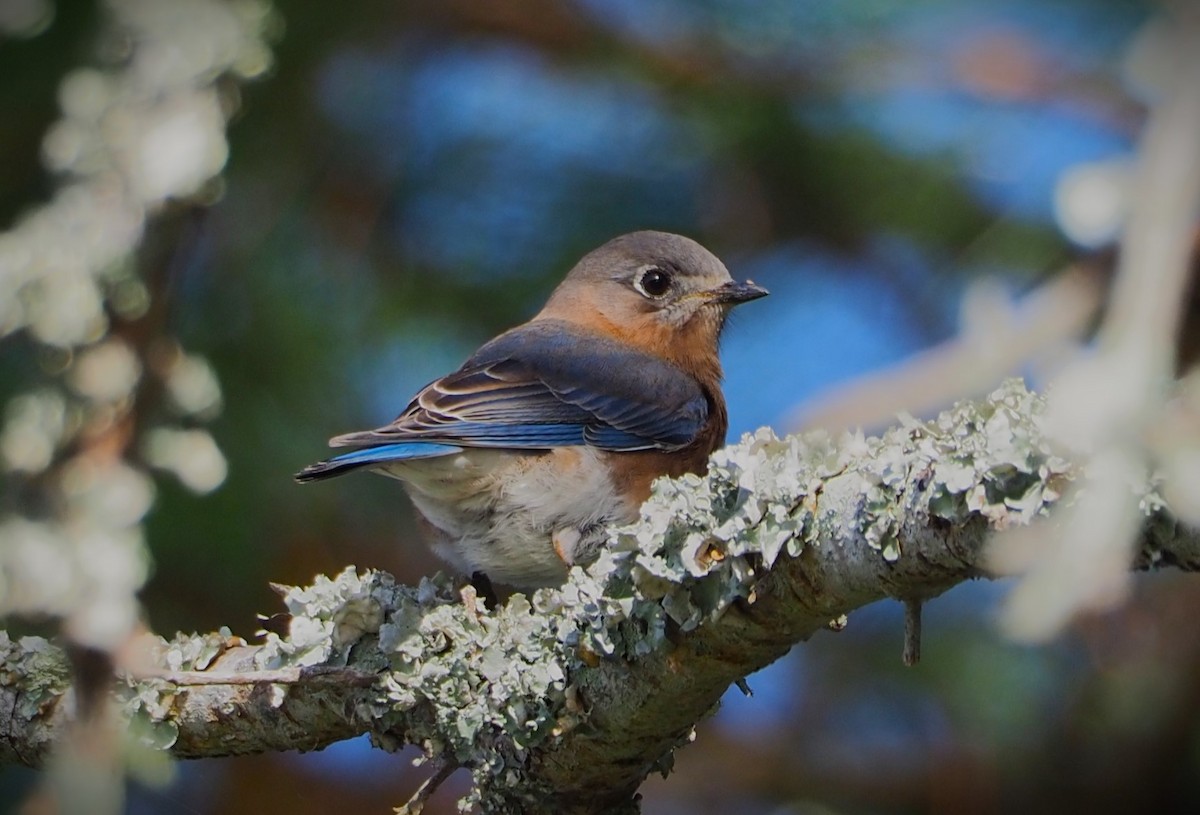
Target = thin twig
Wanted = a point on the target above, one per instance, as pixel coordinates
(416, 804)
(912, 632)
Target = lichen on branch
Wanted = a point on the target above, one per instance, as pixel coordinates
(566, 699)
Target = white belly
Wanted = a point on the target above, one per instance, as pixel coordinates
(502, 513)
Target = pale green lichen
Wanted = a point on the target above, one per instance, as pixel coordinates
(990, 457)
(194, 652)
(701, 541)
(482, 687)
(37, 669)
(489, 684)
(327, 618)
(149, 703)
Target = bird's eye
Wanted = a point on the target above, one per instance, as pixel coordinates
(654, 283)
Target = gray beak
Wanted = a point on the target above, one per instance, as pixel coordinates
(735, 293)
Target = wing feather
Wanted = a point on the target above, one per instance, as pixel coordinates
(550, 384)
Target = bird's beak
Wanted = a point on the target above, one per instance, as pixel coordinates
(734, 292)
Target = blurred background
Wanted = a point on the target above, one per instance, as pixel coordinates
(406, 179)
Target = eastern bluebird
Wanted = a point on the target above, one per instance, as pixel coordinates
(554, 430)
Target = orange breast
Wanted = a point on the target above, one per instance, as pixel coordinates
(633, 473)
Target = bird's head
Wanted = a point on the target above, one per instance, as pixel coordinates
(664, 293)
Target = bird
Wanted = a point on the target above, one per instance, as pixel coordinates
(519, 461)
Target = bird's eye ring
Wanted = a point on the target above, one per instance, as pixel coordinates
(653, 283)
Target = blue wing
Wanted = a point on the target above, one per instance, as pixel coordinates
(544, 384)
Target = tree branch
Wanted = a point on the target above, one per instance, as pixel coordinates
(565, 701)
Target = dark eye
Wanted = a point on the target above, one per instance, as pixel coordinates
(653, 283)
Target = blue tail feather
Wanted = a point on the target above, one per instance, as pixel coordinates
(374, 455)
